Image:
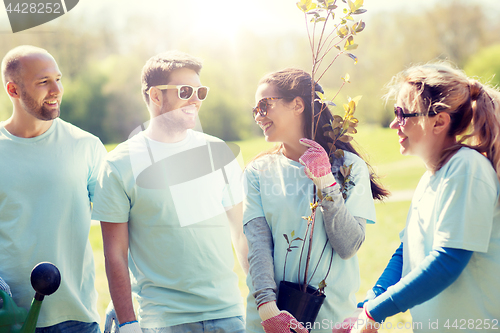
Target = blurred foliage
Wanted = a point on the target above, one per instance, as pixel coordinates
(485, 65)
(101, 65)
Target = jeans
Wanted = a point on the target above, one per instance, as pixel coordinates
(71, 326)
(224, 325)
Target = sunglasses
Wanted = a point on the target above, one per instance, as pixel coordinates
(261, 107)
(185, 91)
(401, 116)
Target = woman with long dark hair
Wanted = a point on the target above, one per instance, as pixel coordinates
(281, 187)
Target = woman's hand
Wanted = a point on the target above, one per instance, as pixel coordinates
(365, 324)
(317, 164)
(276, 321)
(348, 323)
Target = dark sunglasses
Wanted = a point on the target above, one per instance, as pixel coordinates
(261, 107)
(401, 116)
(185, 91)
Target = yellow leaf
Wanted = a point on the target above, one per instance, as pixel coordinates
(343, 31)
(358, 4)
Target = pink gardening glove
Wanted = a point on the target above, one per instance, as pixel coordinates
(284, 322)
(317, 164)
(276, 321)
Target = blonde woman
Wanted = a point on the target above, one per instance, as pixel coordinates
(446, 269)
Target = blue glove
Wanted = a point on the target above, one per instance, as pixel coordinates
(111, 324)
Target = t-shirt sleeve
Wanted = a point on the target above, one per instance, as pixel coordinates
(359, 200)
(97, 157)
(252, 202)
(464, 209)
(233, 190)
(111, 202)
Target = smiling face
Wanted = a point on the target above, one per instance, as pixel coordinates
(40, 88)
(415, 137)
(282, 123)
(178, 114)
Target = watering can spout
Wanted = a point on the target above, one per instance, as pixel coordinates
(45, 279)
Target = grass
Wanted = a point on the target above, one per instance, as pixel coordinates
(380, 146)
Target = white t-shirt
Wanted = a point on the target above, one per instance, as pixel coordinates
(279, 190)
(46, 186)
(457, 207)
(174, 197)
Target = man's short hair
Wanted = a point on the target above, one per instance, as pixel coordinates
(157, 69)
(11, 63)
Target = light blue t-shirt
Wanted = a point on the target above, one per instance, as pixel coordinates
(458, 207)
(46, 186)
(180, 257)
(279, 190)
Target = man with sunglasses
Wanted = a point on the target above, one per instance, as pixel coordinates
(168, 213)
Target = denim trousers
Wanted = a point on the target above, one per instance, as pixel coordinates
(224, 325)
(71, 327)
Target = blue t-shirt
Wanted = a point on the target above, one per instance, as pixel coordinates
(279, 190)
(181, 260)
(46, 186)
(457, 207)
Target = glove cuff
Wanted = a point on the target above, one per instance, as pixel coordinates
(131, 327)
(324, 181)
(268, 310)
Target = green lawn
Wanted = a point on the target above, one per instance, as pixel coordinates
(397, 173)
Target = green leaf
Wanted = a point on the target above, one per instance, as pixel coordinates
(292, 233)
(358, 3)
